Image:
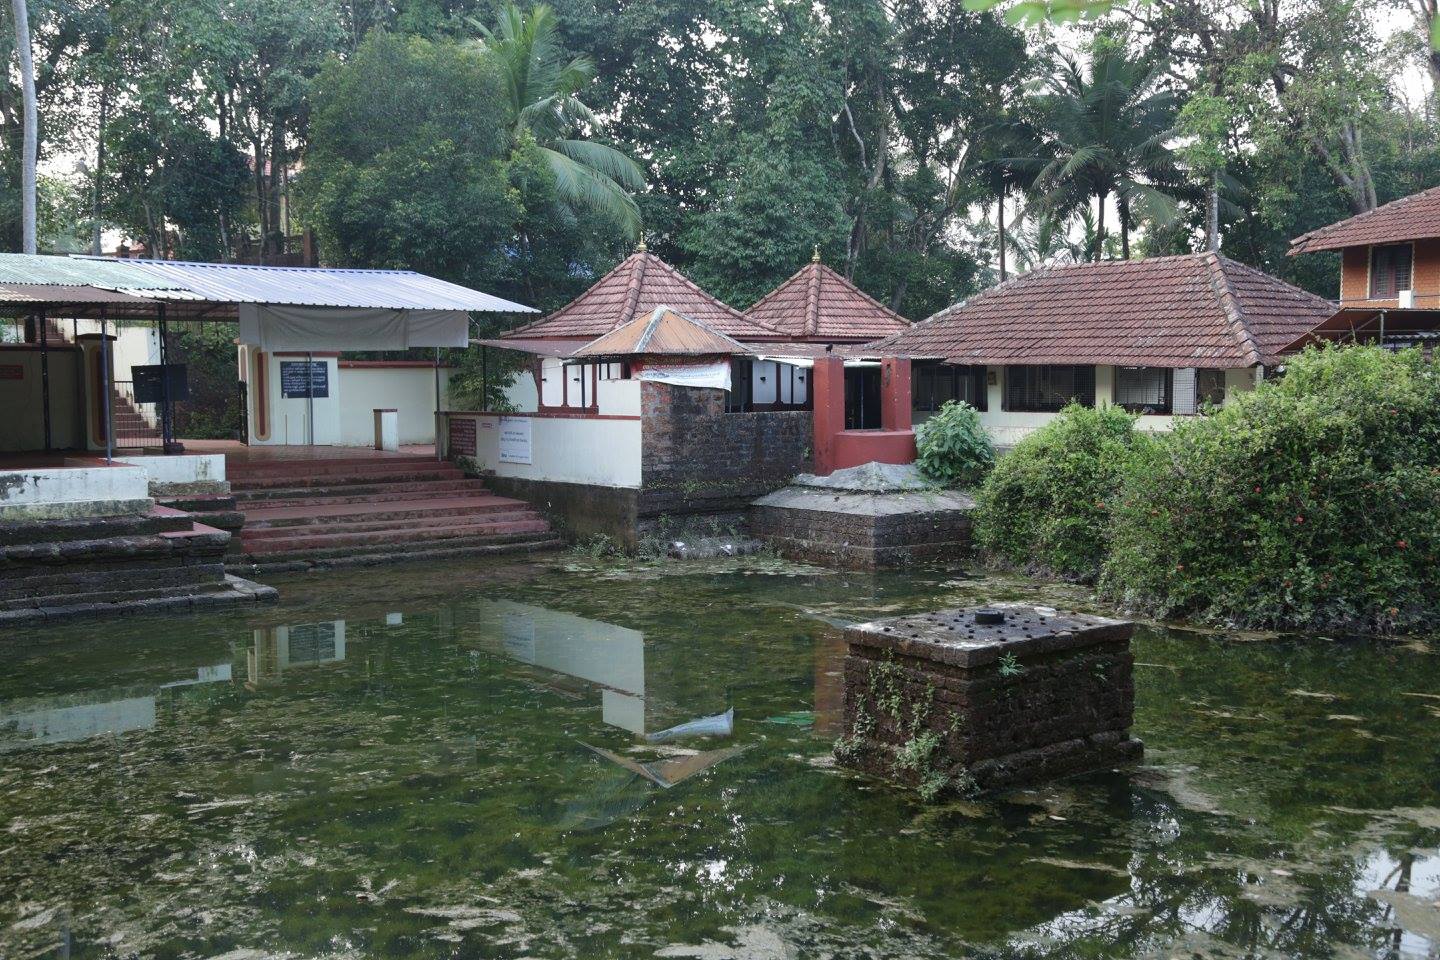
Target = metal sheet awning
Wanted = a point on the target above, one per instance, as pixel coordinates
(24, 298)
(1372, 324)
(233, 283)
(539, 347)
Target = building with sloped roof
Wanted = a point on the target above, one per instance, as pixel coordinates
(1161, 337)
(1389, 273)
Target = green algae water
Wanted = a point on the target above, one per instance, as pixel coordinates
(482, 761)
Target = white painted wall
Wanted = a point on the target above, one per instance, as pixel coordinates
(409, 390)
(597, 452)
(35, 493)
(183, 469)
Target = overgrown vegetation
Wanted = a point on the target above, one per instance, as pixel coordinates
(1046, 505)
(920, 759)
(954, 448)
(1311, 503)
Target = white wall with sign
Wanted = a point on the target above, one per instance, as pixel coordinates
(346, 395)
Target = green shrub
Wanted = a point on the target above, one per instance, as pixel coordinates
(1311, 503)
(1046, 505)
(954, 448)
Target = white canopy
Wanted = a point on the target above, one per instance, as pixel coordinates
(279, 327)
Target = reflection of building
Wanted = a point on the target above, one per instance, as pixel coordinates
(79, 716)
(609, 656)
(277, 649)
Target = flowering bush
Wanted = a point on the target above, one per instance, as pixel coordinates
(1046, 505)
(953, 447)
(1311, 503)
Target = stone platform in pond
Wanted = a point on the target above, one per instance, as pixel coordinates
(876, 515)
(944, 700)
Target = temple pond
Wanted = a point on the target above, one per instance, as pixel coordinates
(456, 762)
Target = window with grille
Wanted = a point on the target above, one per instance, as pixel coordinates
(1048, 389)
(933, 384)
(1389, 270)
(1143, 389)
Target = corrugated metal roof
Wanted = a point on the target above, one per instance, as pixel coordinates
(50, 293)
(76, 272)
(305, 286)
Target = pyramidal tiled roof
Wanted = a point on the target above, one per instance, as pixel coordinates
(664, 332)
(1416, 217)
(639, 284)
(819, 304)
(1194, 310)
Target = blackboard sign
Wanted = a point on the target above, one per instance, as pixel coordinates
(150, 382)
(462, 436)
(305, 378)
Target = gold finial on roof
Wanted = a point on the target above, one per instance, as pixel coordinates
(641, 247)
(815, 257)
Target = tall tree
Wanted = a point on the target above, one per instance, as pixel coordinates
(542, 92)
(1106, 129)
(31, 121)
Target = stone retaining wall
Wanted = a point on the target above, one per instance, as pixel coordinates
(937, 702)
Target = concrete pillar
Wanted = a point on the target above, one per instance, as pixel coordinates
(895, 393)
(827, 387)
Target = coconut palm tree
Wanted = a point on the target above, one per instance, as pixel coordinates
(1106, 132)
(542, 88)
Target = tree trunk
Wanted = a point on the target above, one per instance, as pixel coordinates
(1212, 215)
(27, 83)
(276, 241)
(1124, 227)
(1099, 229)
(262, 209)
(1000, 220)
(95, 228)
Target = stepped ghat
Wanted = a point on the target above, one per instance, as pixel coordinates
(83, 537)
(338, 507)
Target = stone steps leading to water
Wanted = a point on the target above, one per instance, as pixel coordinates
(162, 559)
(372, 509)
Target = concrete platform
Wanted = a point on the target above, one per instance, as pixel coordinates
(878, 515)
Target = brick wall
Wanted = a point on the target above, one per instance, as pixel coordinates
(696, 458)
(1355, 276)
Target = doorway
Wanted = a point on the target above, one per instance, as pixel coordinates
(862, 398)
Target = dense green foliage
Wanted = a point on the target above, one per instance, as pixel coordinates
(739, 135)
(1046, 506)
(1313, 502)
(953, 447)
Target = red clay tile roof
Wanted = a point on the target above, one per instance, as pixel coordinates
(818, 303)
(1195, 310)
(1416, 217)
(640, 283)
(664, 332)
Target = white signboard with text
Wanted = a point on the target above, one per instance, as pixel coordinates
(515, 443)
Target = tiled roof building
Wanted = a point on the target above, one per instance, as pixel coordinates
(639, 284)
(1416, 217)
(1196, 310)
(819, 304)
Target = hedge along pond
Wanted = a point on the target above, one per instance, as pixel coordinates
(452, 762)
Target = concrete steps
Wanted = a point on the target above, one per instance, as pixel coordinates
(107, 565)
(345, 511)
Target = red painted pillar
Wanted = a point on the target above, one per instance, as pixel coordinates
(895, 393)
(827, 387)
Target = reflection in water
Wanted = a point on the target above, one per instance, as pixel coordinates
(610, 656)
(78, 716)
(431, 784)
(277, 649)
